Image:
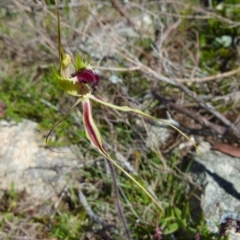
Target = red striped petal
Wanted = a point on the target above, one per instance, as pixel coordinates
(90, 127)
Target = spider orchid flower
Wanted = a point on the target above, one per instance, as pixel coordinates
(79, 79)
(80, 82)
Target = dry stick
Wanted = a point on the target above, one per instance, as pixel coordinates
(123, 14)
(210, 78)
(117, 200)
(217, 16)
(197, 117)
(196, 62)
(117, 69)
(48, 41)
(89, 211)
(211, 109)
(188, 16)
(145, 69)
(167, 32)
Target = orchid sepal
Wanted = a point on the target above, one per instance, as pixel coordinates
(91, 129)
(128, 109)
(94, 137)
(76, 80)
(69, 83)
(73, 88)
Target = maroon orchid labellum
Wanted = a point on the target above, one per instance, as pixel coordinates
(86, 76)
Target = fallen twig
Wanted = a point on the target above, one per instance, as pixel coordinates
(209, 108)
(89, 211)
(123, 14)
(217, 129)
(210, 78)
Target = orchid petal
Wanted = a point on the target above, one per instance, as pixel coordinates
(74, 88)
(94, 136)
(70, 84)
(91, 129)
(128, 109)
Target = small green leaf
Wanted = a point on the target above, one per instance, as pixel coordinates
(177, 212)
(173, 227)
(165, 221)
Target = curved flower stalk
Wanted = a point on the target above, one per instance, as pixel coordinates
(79, 79)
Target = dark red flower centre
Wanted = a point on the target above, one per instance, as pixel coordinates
(87, 76)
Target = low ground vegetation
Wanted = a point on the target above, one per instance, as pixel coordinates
(175, 60)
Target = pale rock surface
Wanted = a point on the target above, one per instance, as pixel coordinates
(26, 163)
(219, 175)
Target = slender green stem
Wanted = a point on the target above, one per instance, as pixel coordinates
(60, 55)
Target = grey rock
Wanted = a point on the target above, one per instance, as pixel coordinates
(114, 79)
(233, 236)
(26, 163)
(219, 176)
